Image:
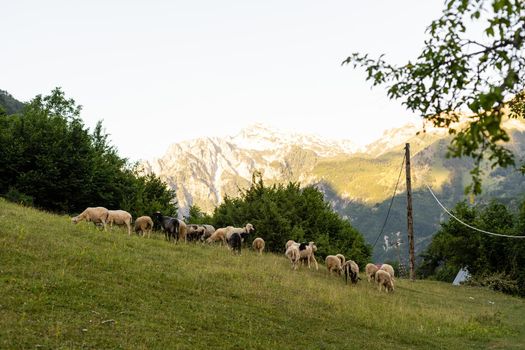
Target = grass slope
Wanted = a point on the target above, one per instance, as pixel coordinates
(65, 286)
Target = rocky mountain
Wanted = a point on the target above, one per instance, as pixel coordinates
(358, 182)
(203, 171)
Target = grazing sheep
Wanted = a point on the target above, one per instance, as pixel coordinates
(183, 230)
(306, 252)
(258, 245)
(234, 241)
(371, 270)
(383, 278)
(218, 235)
(169, 224)
(208, 231)
(333, 263)
(120, 217)
(342, 258)
(288, 244)
(94, 214)
(225, 233)
(144, 225)
(195, 232)
(242, 231)
(351, 270)
(388, 268)
(292, 253)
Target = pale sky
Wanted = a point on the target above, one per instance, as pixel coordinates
(159, 72)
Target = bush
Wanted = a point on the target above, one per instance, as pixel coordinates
(500, 282)
(15, 196)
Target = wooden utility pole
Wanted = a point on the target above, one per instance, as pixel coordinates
(410, 220)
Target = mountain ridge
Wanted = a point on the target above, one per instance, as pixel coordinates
(358, 183)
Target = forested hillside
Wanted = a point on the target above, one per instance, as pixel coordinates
(9, 104)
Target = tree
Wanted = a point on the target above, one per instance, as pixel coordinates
(455, 72)
(50, 159)
(282, 212)
(499, 260)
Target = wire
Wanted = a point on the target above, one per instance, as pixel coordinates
(391, 202)
(469, 226)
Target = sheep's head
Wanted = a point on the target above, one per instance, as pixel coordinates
(249, 228)
(157, 216)
(74, 220)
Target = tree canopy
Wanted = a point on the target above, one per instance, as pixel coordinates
(282, 212)
(457, 71)
(51, 160)
(496, 261)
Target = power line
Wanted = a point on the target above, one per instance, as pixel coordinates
(469, 226)
(391, 202)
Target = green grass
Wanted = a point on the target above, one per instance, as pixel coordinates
(67, 286)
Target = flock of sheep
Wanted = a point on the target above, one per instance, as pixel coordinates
(233, 237)
(303, 252)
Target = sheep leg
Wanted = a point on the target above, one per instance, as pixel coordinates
(315, 261)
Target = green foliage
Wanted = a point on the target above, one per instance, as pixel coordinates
(499, 281)
(48, 155)
(280, 213)
(454, 72)
(16, 196)
(493, 261)
(197, 216)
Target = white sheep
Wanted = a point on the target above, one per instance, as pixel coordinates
(371, 270)
(258, 245)
(293, 255)
(144, 225)
(223, 234)
(388, 268)
(333, 263)
(384, 279)
(288, 244)
(242, 231)
(306, 252)
(120, 217)
(94, 214)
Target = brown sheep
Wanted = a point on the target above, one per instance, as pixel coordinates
(144, 225)
(258, 245)
(218, 235)
(384, 279)
(333, 263)
(183, 230)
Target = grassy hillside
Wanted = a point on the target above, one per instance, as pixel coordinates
(65, 286)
